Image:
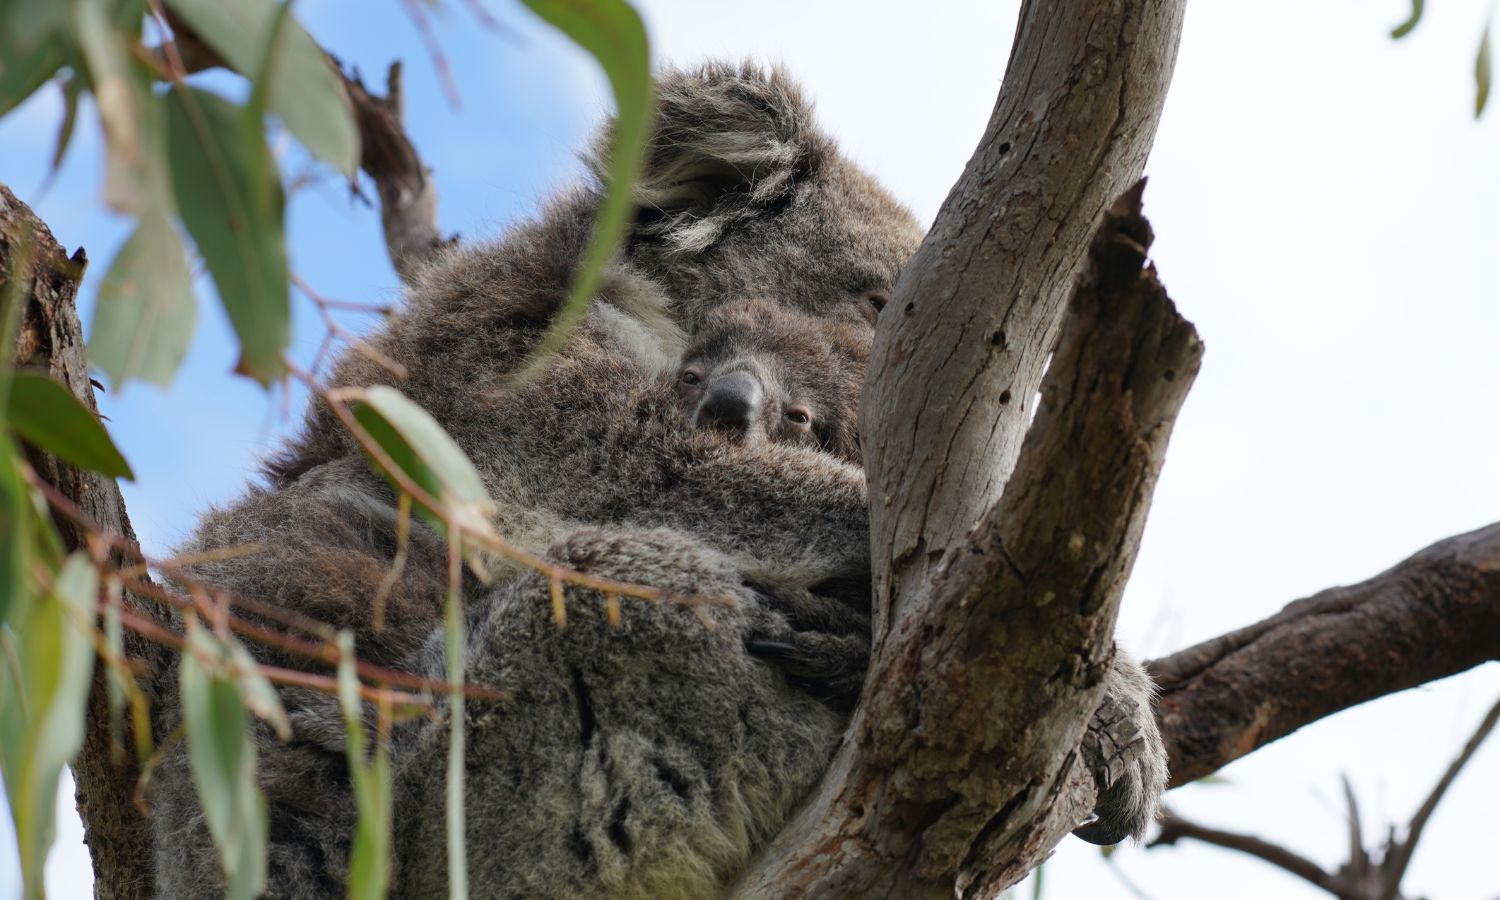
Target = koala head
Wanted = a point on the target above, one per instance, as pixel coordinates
(742, 195)
(760, 372)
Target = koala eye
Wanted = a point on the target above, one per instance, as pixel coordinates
(691, 377)
(798, 416)
(877, 299)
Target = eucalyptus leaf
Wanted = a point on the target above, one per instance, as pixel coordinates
(28, 23)
(370, 770)
(1482, 73)
(145, 315)
(1405, 28)
(221, 753)
(260, 697)
(304, 91)
(72, 90)
(123, 99)
(23, 71)
(49, 417)
(15, 537)
(612, 31)
(235, 222)
(43, 695)
(427, 455)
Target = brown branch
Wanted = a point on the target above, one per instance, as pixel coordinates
(408, 197)
(1174, 828)
(1362, 877)
(1435, 614)
(50, 339)
(1398, 855)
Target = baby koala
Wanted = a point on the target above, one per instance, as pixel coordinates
(762, 372)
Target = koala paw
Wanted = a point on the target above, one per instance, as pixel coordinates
(817, 643)
(656, 557)
(1124, 750)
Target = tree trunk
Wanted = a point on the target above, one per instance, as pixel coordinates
(50, 339)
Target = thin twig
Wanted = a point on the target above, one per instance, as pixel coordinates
(434, 50)
(1174, 828)
(1400, 854)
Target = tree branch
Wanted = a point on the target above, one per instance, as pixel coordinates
(408, 197)
(959, 771)
(1174, 828)
(50, 339)
(1398, 856)
(964, 770)
(1435, 614)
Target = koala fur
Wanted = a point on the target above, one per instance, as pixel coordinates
(648, 760)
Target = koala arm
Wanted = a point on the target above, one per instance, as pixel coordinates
(644, 760)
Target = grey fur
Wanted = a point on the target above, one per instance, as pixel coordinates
(651, 760)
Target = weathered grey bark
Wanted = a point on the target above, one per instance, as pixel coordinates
(50, 339)
(1428, 617)
(963, 769)
(953, 776)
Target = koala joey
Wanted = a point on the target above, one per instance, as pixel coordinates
(757, 371)
(687, 438)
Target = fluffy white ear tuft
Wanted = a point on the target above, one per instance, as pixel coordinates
(731, 140)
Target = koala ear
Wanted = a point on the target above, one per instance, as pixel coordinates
(731, 141)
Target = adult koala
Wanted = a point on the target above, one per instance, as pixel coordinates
(648, 760)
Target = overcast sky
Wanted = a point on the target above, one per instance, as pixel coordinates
(1325, 212)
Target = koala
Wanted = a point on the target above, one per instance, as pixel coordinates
(697, 434)
(760, 372)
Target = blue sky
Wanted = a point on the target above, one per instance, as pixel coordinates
(501, 150)
(1325, 207)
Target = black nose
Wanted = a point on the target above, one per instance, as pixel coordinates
(731, 403)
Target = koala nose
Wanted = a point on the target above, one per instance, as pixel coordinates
(732, 403)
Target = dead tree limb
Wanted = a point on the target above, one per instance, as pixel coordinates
(408, 195)
(50, 339)
(952, 777)
(964, 769)
(1370, 873)
(1428, 617)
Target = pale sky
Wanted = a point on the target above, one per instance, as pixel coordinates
(1325, 209)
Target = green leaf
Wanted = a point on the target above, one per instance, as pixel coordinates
(72, 90)
(236, 223)
(15, 536)
(44, 688)
(29, 22)
(48, 416)
(1482, 73)
(611, 30)
(1405, 28)
(221, 752)
(133, 182)
(144, 320)
(304, 91)
(425, 453)
(453, 657)
(260, 697)
(370, 859)
(23, 71)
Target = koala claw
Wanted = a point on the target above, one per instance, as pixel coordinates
(1124, 751)
(829, 667)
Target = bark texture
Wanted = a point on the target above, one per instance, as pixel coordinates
(50, 339)
(960, 771)
(1433, 615)
(963, 770)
